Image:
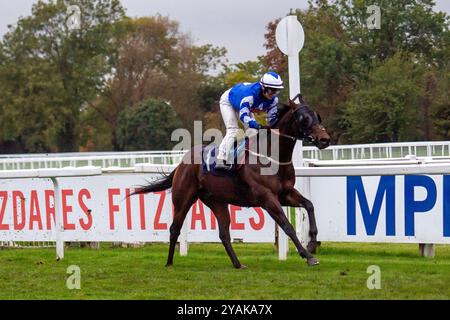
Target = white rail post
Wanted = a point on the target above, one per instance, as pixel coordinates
(301, 216)
(183, 239)
(283, 241)
(59, 229)
(297, 160)
(427, 250)
(302, 219)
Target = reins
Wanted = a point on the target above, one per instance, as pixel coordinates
(269, 158)
(277, 131)
(304, 135)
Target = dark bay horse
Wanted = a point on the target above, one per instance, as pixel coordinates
(248, 187)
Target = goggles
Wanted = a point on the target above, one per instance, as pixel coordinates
(272, 90)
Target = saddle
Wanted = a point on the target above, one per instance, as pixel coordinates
(209, 156)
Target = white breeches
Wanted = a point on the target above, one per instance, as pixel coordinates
(230, 118)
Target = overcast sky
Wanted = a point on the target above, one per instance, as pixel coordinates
(238, 25)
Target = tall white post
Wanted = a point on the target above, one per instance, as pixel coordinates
(294, 76)
(290, 38)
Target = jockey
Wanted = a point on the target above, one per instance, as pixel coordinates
(243, 100)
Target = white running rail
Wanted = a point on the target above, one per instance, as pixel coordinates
(379, 151)
(130, 159)
(104, 160)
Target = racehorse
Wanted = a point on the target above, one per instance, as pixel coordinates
(248, 187)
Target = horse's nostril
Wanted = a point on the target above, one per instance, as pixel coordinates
(324, 141)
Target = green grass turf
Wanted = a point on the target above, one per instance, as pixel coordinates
(206, 273)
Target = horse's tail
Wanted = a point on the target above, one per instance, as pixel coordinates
(158, 185)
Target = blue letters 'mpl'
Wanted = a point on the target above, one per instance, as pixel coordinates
(356, 187)
(412, 206)
(446, 206)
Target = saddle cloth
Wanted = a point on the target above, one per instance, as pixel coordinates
(209, 156)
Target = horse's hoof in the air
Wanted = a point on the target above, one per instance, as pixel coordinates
(312, 262)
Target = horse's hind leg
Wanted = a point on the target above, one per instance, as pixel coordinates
(175, 229)
(182, 201)
(223, 218)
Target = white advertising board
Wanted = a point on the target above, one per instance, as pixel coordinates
(98, 209)
(404, 208)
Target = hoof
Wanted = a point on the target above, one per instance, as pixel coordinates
(312, 262)
(312, 246)
(241, 267)
(169, 265)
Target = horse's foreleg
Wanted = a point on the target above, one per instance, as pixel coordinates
(275, 210)
(223, 217)
(295, 199)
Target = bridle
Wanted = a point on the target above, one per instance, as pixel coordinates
(304, 135)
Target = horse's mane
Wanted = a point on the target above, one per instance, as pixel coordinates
(283, 108)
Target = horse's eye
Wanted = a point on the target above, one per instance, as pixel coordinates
(306, 121)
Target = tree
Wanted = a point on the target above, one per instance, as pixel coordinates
(51, 71)
(157, 61)
(147, 126)
(341, 52)
(440, 108)
(248, 71)
(406, 25)
(385, 108)
(326, 62)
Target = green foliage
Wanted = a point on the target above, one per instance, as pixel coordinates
(441, 105)
(71, 85)
(249, 71)
(406, 25)
(147, 126)
(343, 59)
(50, 72)
(158, 61)
(210, 93)
(385, 108)
(327, 62)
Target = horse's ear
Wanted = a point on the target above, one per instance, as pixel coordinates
(319, 117)
(300, 98)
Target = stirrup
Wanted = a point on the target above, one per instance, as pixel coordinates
(221, 165)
